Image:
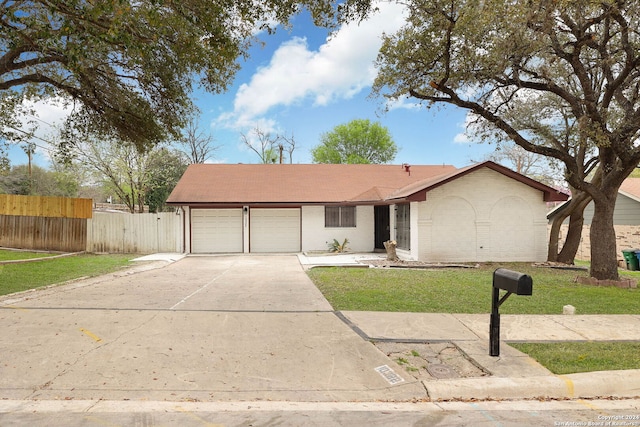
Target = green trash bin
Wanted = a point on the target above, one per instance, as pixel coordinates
(631, 259)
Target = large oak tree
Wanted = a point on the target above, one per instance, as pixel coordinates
(129, 66)
(560, 78)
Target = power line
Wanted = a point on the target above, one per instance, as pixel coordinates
(40, 120)
(34, 136)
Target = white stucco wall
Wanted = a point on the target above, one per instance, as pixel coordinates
(315, 237)
(482, 216)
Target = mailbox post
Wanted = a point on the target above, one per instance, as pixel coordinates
(514, 283)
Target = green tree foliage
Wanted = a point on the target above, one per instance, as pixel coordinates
(358, 141)
(135, 178)
(165, 170)
(38, 182)
(558, 78)
(129, 66)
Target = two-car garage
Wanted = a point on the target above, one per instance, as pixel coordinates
(224, 230)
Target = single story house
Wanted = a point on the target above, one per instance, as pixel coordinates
(438, 213)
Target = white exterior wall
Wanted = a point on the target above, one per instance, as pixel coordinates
(315, 237)
(482, 216)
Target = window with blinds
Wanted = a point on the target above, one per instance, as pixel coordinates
(339, 216)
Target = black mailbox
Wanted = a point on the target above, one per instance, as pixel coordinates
(514, 283)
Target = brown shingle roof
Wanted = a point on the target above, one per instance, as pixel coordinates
(316, 183)
(631, 186)
(321, 183)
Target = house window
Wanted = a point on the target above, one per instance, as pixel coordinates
(403, 226)
(339, 216)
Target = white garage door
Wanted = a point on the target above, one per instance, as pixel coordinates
(216, 230)
(275, 230)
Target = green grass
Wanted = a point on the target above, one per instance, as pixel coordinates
(7, 255)
(468, 291)
(572, 357)
(20, 277)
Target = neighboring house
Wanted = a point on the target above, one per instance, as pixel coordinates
(627, 209)
(484, 212)
(626, 219)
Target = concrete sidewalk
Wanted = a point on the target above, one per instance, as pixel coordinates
(514, 328)
(513, 375)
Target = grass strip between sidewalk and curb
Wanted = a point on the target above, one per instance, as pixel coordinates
(573, 357)
(22, 277)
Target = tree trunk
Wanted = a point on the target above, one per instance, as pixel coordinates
(554, 237)
(574, 210)
(574, 234)
(604, 260)
(390, 246)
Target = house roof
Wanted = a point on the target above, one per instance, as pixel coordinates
(631, 188)
(237, 184)
(287, 183)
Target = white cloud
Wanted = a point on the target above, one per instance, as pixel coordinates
(339, 69)
(50, 113)
(461, 138)
(404, 103)
(42, 121)
(469, 129)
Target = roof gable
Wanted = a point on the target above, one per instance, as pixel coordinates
(550, 194)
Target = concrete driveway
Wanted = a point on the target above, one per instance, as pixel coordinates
(240, 327)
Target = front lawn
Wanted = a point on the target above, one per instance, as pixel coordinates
(467, 290)
(20, 277)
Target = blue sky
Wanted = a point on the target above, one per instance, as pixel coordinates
(303, 83)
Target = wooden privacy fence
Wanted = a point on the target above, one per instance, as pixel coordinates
(134, 233)
(53, 207)
(70, 225)
(44, 223)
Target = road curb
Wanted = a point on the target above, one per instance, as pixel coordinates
(582, 385)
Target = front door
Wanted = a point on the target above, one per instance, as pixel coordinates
(382, 225)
